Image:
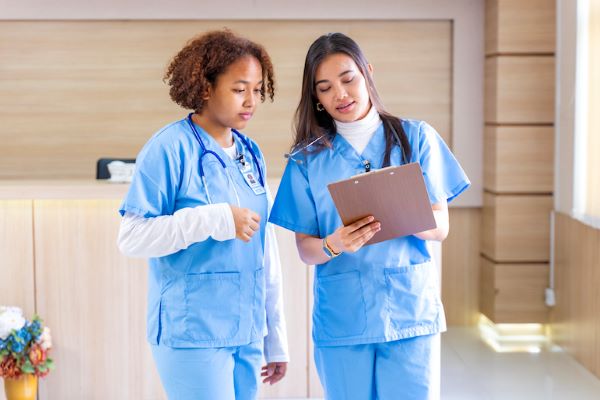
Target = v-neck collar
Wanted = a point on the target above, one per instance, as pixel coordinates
(211, 144)
(372, 153)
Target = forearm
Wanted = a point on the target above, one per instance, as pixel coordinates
(275, 343)
(311, 250)
(441, 231)
(167, 234)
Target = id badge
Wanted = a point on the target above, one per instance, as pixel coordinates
(253, 182)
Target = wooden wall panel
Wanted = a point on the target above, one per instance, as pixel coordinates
(516, 26)
(513, 293)
(519, 90)
(16, 258)
(94, 301)
(460, 267)
(519, 159)
(74, 91)
(575, 320)
(516, 228)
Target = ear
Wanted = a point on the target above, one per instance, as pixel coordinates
(207, 93)
(370, 69)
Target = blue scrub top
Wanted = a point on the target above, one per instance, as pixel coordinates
(385, 291)
(211, 294)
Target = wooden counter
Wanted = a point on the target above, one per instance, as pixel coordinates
(59, 259)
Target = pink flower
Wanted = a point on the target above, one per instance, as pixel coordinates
(37, 355)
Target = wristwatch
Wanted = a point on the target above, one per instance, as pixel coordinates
(329, 250)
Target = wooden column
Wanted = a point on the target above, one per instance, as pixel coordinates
(518, 159)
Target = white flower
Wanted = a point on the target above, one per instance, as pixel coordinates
(10, 318)
(45, 339)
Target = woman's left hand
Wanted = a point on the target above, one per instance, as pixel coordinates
(274, 372)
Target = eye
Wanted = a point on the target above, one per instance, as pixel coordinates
(349, 80)
(239, 90)
(323, 90)
(257, 91)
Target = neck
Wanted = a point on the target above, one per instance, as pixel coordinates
(364, 126)
(222, 134)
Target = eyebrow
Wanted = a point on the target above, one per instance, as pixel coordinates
(339, 76)
(247, 82)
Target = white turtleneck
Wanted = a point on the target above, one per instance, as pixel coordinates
(358, 133)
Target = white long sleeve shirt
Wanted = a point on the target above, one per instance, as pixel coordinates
(168, 234)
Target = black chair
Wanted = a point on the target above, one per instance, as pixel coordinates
(102, 166)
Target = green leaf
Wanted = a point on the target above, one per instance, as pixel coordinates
(27, 369)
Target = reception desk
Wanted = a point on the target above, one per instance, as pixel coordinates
(60, 260)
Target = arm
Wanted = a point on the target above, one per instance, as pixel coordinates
(167, 234)
(276, 343)
(440, 212)
(347, 239)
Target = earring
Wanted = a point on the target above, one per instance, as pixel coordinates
(320, 107)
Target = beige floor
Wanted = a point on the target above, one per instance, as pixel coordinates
(473, 371)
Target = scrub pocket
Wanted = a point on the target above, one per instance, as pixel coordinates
(339, 306)
(213, 305)
(259, 310)
(413, 295)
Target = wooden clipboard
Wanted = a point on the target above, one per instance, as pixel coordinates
(395, 196)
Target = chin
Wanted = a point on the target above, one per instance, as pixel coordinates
(239, 125)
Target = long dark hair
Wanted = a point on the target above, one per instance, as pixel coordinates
(310, 124)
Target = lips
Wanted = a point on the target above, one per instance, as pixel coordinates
(347, 107)
(245, 116)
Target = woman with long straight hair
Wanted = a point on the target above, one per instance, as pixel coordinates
(377, 313)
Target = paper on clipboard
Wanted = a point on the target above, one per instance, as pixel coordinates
(395, 196)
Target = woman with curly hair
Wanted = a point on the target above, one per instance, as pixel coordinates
(197, 208)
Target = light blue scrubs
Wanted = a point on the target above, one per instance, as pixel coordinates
(212, 294)
(385, 292)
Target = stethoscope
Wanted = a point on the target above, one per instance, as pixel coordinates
(240, 158)
(366, 163)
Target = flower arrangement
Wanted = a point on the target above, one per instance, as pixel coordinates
(24, 345)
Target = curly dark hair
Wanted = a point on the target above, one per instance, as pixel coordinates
(204, 58)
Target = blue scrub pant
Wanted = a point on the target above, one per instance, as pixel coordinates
(399, 370)
(226, 373)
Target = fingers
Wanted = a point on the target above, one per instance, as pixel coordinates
(273, 372)
(360, 223)
(247, 222)
(254, 216)
(370, 228)
(355, 240)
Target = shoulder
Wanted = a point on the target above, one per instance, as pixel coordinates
(171, 139)
(419, 132)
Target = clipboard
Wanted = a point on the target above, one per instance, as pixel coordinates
(396, 196)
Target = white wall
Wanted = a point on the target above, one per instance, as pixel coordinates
(566, 34)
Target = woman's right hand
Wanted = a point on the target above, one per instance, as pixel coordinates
(247, 222)
(351, 238)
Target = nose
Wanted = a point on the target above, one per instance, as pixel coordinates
(340, 93)
(250, 100)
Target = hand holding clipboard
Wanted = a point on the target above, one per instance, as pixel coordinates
(395, 196)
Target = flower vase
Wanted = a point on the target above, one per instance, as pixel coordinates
(22, 388)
